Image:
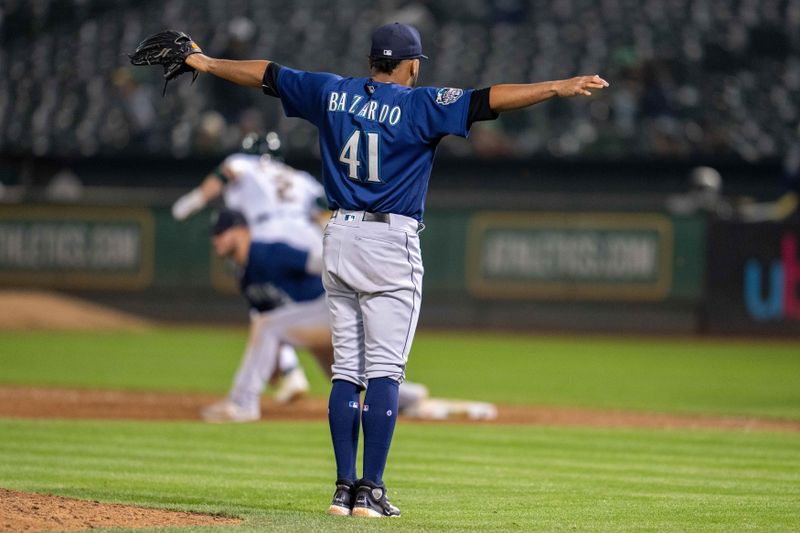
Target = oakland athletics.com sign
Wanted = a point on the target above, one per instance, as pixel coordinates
(754, 278)
(76, 247)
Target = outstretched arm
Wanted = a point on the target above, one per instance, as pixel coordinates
(246, 73)
(511, 97)
(196, 199)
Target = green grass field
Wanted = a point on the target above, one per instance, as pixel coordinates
(278, 476)
(680, 376)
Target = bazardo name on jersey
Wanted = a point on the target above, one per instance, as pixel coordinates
(377, 140)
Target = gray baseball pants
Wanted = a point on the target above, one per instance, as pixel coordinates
(372, 275)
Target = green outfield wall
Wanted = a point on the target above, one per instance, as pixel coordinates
(515, 268)
(572, 256)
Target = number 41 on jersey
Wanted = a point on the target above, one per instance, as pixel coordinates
(350, 156)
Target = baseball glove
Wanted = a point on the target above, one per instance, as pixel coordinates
(169, 48)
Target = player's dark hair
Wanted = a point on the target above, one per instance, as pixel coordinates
(383, 65)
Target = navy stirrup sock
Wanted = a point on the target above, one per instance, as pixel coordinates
(378, 418)
(344, 415)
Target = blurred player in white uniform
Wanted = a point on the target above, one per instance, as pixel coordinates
(280, 204)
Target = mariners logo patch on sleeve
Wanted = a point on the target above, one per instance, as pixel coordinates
(448, 95)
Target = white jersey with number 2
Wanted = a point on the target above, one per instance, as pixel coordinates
(278, 201)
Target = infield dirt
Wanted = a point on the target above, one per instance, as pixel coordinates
(53, 403)
(31, 309)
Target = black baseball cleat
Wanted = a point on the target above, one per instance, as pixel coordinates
(371, 501)
(342, 504)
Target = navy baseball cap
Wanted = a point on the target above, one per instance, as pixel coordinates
(396, 41)
(225, 219)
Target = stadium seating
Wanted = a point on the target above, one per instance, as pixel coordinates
(689, 77)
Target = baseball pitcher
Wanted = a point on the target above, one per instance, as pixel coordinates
(378, 137)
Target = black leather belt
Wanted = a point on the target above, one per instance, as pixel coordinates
(370, 217)
(377, 217)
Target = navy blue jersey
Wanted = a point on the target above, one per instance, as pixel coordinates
(377, 140)
(275, 275)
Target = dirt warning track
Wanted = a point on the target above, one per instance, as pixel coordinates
(54, 403)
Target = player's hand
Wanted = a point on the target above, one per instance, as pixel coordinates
(580, 86)
(199, 62)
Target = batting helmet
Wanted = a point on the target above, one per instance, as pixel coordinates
(705, 179)
(269, 144)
